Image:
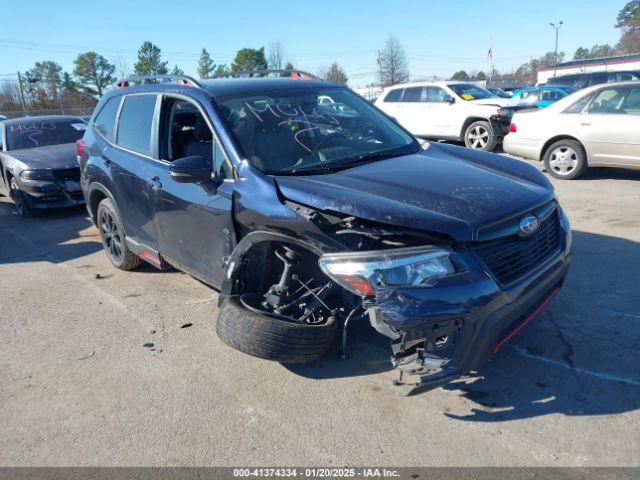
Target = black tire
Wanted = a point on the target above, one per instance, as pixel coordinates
(113, 237)
(20, 200)
(479, 136)
(270, 338)
(565, 159)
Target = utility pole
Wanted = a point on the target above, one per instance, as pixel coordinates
(555, 56)
(24, 104)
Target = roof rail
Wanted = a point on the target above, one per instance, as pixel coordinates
(149, 79)
(290, 73)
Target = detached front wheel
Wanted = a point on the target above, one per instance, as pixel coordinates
(479, 136)
(244, 327)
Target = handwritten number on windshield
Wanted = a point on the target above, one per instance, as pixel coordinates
(313, 120)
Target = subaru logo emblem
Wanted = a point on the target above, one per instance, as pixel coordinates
(529, 225)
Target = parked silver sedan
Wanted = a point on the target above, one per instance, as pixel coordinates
(598, 126)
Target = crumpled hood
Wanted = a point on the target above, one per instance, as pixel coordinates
(52, 156)
(447, 189)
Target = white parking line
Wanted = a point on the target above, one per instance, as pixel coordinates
(603, 376)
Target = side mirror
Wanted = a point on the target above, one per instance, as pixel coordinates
(193, 169)
(449, 99)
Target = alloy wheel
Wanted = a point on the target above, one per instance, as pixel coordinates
(563, 160)
(478, 137)
(111, 236)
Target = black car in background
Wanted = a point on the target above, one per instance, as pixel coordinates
(38, 166)
(307, 217)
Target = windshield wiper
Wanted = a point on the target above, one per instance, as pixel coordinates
(349, 162)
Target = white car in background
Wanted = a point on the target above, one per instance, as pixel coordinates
(449, 110)
(597, 126)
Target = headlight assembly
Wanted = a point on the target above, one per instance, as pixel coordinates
(360, 272)
(37, 175)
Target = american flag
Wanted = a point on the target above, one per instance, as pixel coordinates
(490, 54)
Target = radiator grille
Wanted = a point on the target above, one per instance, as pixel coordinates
(513, 257)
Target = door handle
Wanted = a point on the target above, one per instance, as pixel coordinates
(585, 124)
(154, 183)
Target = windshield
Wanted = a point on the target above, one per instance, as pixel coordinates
(33, 133)
(469, 91)
(310, 130)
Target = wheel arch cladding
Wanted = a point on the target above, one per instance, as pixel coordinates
(97, 193)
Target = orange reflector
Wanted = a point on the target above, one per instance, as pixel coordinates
(359, 284)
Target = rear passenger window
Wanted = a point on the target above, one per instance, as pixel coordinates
(632, 102)
(106, 119)
(393, 95)
(134, 125)
(413, 94)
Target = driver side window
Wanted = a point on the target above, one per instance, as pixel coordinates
(185, 133)
(437, 95)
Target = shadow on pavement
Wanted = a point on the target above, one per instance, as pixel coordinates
(601, 173)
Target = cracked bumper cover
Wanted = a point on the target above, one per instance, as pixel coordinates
(471, 309)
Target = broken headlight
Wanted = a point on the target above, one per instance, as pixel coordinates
(361, 272)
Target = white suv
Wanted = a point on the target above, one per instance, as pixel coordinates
(449, 111)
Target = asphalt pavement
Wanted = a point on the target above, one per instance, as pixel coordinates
(104, 367)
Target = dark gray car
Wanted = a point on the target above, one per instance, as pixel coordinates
(38, 166)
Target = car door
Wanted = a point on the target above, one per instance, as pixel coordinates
(446, 116)
(193, 221)
(412, 114)
(389, 103)
(129, 163)
(610, 127)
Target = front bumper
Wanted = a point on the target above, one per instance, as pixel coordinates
(458, 322)
(45, 194)
(500, 125)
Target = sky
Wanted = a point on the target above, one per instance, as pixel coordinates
(440, 37)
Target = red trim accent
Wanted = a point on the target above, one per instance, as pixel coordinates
(148, 256)
(527, 319)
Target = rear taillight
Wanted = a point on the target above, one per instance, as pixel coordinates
(512, 128)
(80, 147)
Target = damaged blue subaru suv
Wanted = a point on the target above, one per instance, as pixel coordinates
(307, 208)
